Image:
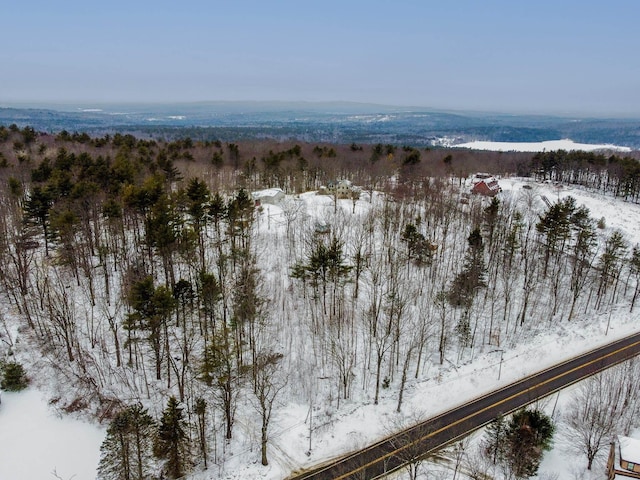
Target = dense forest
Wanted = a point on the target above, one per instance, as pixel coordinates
(164, 301)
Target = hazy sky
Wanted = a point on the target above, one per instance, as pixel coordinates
(516, 56)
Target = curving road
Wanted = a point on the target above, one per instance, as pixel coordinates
(393, 452)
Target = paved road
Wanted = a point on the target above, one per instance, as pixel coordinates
(393, 452)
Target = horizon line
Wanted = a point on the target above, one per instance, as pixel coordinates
(53, 105)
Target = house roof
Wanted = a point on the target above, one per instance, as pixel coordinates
(491, 183)
(268, 193)
(480, 176)
(629, 449)
(339, 183)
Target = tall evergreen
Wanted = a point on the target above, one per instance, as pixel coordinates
(172, 441)
(152, 307)
(239, 215)
(555, 227)
(465, 285)
(584, 244)
(37, 209)
(326, 265)
(490, 214)
(473, 274)
(634, 269)
(494, 441)
(125, 453)
(201, 415)
(219, 369)
(610, 262)
(417, 245)
(198, 197)
(529, 435)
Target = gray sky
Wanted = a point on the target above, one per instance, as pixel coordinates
(559, 57)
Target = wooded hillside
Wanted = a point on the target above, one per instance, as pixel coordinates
(161, 299)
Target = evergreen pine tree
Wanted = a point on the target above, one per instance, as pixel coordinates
(37, 210)
(494, 441)
(555, 227)
(417, 246)
(529, 435)
(172, 440)
(13, 377)
(219, 370)
(201, 412)
(634, 267)
(125, 453)
(472, 276)
(491, 217)
(466, 283)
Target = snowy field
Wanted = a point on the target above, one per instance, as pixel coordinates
(36, 444)
(549, 145)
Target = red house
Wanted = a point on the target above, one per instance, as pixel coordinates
(487, 186)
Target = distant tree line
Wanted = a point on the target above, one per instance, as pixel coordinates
(613, 175)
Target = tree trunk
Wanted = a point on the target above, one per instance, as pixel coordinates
(378, 367)
(405, 367)
(263, 446)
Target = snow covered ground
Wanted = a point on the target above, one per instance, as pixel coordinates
(545, 345)
(564, 144)
(35, 443)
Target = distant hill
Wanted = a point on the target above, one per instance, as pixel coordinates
(321, 122)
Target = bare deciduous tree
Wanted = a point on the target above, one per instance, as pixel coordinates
(268, 383)
(598, 409)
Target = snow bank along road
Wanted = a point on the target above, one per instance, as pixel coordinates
(393, 452)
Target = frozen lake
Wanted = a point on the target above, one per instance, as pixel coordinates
(36, 444)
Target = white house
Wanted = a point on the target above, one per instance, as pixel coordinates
(342, 189)
(272, 196)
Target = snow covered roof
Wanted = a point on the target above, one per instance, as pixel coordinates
(486, 186)
(339, 183)
(480, 176)
(486, 178)
(269, 192)
(492, 183)
(629, 449)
